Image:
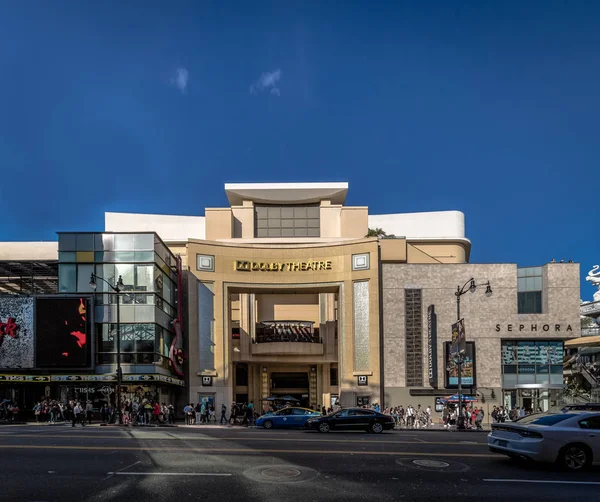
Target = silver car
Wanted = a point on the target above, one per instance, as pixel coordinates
(571, 438)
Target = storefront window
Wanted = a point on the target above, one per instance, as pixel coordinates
(532, 362)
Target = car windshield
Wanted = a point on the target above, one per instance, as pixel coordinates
(546, 420)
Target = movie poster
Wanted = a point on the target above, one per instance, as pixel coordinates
(16, 332)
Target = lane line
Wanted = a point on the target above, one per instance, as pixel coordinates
(170, 473)
(127, 467)
(242, 450)
(544, 481)
(287, 440)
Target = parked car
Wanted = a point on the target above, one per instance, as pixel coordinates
(352, 419)
(571, 438)
(287, 417)
(582, 407)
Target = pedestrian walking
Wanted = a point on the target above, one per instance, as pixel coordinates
(89, 411)
(223, 414)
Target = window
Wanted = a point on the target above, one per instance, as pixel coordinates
(362, 413)
(333, 376)
(529, 290)
(287, 411)
(287, 221)
(343, 413)
(532, 362)
(546, 420)
(590, 423)
(414, 337)
(241, 375)
(299, 411)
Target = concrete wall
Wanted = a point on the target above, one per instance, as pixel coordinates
(482, 314)
(291, 307)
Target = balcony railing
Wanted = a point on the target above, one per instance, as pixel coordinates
(286, 331)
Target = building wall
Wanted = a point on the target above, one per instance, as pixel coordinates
(488, 320)
(297, 307)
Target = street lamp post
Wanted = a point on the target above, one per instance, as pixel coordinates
(117, 289)
(460, 424)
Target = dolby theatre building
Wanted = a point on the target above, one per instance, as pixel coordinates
(284, 293)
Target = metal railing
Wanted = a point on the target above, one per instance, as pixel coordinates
(286, 331)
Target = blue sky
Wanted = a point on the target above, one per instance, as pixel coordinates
(490, 108)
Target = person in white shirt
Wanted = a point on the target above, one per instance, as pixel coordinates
(428, 416)
(77, 415)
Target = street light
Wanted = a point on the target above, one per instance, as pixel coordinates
(467, 287)
(117, 289)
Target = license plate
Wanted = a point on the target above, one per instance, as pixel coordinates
(504, 444)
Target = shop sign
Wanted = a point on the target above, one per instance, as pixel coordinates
(207, 381)
(300, 266)
(534, 327)
(111, 377)
(24, 378)
(432, 345)
(363, 380)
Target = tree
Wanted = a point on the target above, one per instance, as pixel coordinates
(376, 232)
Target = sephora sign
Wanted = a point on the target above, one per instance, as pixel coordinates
(16, 332)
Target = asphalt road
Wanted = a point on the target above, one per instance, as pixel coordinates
(48, 463)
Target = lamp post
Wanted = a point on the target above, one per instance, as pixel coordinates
(472, 287)
(117, 289)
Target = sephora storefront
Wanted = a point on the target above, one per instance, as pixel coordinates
(532, 373)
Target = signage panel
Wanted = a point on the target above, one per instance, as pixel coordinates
(16, 332)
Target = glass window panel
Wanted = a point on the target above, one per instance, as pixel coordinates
(300, 232)
(556, 378)
(313, 232)
(85, 242)
(521, 284)
(274, 212)
(287, 232)
(123, 256)
(312, 223)
(274, 232)
(537, 283)
(261, 232)
(313, 212)
(300, 212)
(67, 242)
(126, 271)
(509, 380)
(144, 277)
(274, 223)
(526, 374)
(67, 278)
(537, 271)
(143, 242)
(107, 271)
(287, 212)
(67, 256)
(144, 256)
(541, 353)
(300, 223)
(261, 223)
(84, 274)
(261, 212)
(526, 352)
(520, 272)
(555, 352)
(287, 223)
(167, 289)
(124, 242)
(529, 284)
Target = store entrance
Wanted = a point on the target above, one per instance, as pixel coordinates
(531, 400)
(290, 384)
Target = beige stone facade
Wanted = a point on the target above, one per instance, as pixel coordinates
(488, 321)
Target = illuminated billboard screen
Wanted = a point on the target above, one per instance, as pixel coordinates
(16, 332)
(62, 333)
(468, 376)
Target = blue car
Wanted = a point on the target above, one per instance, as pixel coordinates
(287, 417)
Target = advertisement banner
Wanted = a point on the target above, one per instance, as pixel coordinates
(62, 333)
(468, 372)
(16, 332)
(459, 338)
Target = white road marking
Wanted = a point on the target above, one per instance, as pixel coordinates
(546, 481)
(422, 440)
(169, 473)
(135, 463)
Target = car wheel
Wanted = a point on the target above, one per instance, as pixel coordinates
(575, 457)
(267, 424)
(324, 427)
(376, 428)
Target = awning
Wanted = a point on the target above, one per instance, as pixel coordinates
(587, 341)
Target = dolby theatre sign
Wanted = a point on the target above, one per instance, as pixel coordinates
(298, 266)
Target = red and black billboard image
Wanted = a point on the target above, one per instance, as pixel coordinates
(62, 333)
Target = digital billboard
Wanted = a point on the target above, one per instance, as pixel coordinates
(468, 377)
(62, 333)
(16, 332)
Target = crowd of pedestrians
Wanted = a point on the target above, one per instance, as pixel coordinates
(8, 410)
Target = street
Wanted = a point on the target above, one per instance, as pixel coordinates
(47, 463)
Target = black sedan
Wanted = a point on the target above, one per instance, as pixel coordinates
(352, 419)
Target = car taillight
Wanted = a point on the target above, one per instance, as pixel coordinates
(530, 434)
